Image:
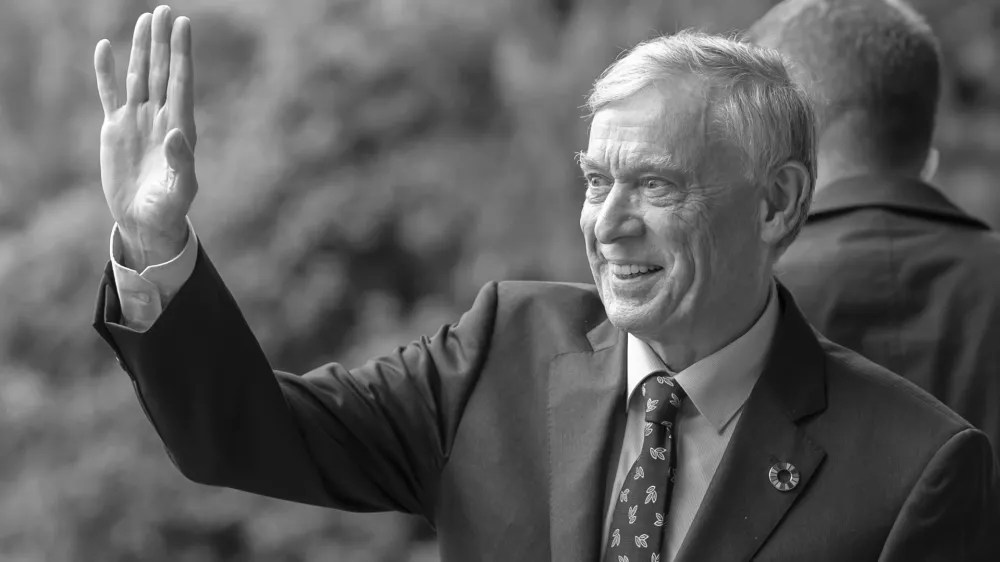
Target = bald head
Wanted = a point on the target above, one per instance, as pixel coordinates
(872, 69)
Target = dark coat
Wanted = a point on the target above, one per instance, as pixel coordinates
(891, 269)
(499, 430)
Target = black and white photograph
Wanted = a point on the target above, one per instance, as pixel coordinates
(500, 281)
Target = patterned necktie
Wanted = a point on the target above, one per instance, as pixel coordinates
(637, 525)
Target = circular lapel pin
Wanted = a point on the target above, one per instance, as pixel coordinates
(784, 476)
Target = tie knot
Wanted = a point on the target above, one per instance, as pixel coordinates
(663, 397)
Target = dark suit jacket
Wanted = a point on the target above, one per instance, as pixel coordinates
(891, 269)
(498, 430)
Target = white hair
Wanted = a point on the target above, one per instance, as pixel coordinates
(754, 103)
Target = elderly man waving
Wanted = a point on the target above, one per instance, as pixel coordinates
(681, 409)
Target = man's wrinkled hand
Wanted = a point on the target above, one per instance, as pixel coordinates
(147, 144)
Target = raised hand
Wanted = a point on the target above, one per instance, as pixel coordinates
(147, 144)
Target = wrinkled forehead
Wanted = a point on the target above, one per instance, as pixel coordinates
(667, 122)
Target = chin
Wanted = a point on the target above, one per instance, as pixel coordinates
(634, 316)
(631, 323)
(649, 313)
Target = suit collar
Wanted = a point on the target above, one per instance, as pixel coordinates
(890, 192)
(605, 335)
(795, 370)
(741, 500)
(585, 392)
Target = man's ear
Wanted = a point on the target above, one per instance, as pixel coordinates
(930, 165)
(782, 204)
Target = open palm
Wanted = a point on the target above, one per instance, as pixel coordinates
(147, 144)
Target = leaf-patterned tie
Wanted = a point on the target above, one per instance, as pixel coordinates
(637, 525)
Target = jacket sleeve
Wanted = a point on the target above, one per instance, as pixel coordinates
(953, 511)
(374, 438)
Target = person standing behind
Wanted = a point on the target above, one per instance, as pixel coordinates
(678, 409)
(886, 265)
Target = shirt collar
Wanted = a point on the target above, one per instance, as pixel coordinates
(719, 384)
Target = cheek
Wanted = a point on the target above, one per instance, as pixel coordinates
(738, 223)
(682, 235)
(734, 236)
(588, 218)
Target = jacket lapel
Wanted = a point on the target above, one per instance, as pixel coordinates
(741, 507)
(586, 393)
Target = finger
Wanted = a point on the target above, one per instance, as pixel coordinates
(107, 84)
(180, 90)
(137, 79)
(180, 159)
(180, 155)
(159, 57)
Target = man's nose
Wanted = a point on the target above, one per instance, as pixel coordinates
(618, 217)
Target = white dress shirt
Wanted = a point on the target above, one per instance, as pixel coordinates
(717, 387)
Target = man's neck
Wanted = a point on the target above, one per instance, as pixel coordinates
(703, 341)
(832, 168)
(838, 158)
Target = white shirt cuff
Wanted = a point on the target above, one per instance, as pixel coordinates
(145, 295)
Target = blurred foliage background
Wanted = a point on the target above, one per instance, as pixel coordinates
(365, 166)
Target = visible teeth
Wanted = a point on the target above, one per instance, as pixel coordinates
(631, 269)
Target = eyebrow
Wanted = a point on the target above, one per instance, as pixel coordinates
(586, 161)
(646, 163)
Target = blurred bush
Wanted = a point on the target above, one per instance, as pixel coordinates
(365, 167)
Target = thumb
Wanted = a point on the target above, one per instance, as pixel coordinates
(180, 161)
(180, 156)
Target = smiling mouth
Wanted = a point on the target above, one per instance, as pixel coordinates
(633, 271)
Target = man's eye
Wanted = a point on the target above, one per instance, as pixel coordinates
(655, 183)
(597, 180)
